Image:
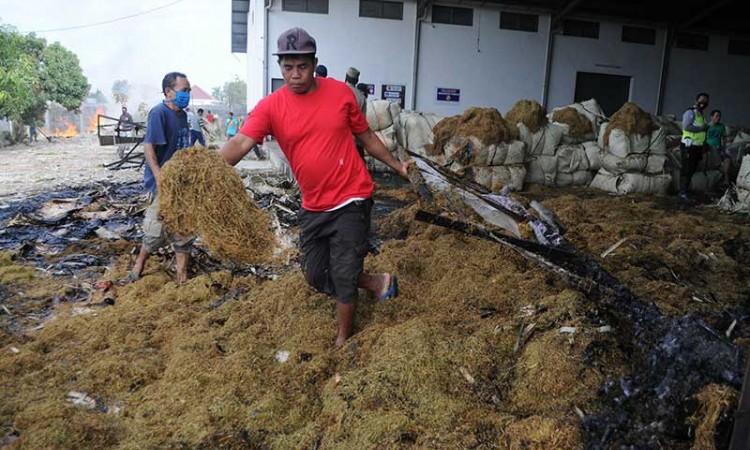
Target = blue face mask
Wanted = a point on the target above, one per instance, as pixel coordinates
(181, 99)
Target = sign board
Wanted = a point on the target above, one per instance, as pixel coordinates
(394, 93)
(448, 95)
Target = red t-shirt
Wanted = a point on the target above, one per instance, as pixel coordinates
(314, 131)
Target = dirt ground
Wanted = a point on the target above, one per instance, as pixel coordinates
(64, 162)
(45, 166)
(484, 349)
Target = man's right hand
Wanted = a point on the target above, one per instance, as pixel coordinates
(236, 148)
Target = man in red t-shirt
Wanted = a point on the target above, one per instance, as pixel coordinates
(313, 120)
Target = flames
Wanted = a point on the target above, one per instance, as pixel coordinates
(69, 132)
(92, 122)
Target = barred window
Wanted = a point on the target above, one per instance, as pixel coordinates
(380, 9)
(739, 47)
(581, 28)
(519, 22)
(452, 15)
(638, 35)
(307, 6)
(692, 41)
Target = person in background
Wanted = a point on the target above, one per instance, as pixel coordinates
(232, 125)
(32, 132)
(351, 79)
(313, 119)
(125, 124)
(167, 132)
(716, 138)
(693, 142)
(210, 117)
(362, 87)
(196, 128)
(321, 71)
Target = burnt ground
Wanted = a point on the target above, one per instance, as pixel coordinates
(483, 349)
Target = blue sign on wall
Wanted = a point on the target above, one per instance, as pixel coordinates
(448, 95)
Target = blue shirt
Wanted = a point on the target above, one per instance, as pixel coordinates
(232, 124)
(167, 131)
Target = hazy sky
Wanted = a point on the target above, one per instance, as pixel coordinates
(190, 36)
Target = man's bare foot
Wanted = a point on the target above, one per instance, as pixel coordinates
(378, 284)
(182, 263)
(345, 319)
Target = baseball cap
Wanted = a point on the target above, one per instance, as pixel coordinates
(295, 41)
(321, 70)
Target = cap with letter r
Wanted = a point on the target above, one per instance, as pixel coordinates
(295, 41)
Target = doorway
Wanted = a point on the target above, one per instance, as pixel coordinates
(610, 91)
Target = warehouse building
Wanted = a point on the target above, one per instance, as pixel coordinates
(445, 56)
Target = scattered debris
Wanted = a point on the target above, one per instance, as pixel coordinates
(613, 247)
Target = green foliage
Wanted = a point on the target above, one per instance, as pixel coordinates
(62, 78)
(98, 96)
(121, 91)
(233, 94)
(33, 73)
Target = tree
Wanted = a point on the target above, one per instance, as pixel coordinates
(121, 91)
(62, 78)
(98, 96)
(33, 74)
(233, 94)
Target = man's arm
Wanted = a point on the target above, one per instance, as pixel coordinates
(150, 154)
(379, 151)
(236, 148)
(687, 122)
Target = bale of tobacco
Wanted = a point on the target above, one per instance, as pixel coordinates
(200, 194)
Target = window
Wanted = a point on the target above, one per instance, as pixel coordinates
(452, 15)
(381, 9)
(518, 21)
(638, 35)
(692, 41)
(240, 10)
(581, 28)
(308, 6)
(737, 47)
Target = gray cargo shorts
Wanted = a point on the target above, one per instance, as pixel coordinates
(155, 236)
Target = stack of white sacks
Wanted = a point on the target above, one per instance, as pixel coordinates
(492, 166)
(737, 198)
(632, 163)
(381, 115)
(414, 130)
(554, 158)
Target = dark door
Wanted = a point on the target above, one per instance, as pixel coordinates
(610, 91)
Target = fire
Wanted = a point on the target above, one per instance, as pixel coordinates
(71, 131)
(92, 122)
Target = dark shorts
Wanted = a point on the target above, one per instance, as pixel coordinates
(333, 246)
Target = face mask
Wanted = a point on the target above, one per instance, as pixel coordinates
(181, 99)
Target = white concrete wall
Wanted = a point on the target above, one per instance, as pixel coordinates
(723, 76)
(492, 67)
(256, 53)
(606, 55)
(382, 49)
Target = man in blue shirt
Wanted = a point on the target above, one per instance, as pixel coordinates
(166, 133)
(232, 126)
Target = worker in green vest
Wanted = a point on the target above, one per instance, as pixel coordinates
(693, 142)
